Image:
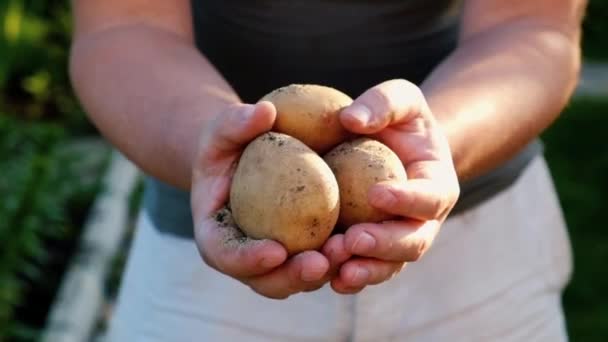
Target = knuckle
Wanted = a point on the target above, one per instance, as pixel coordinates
(405, 86)
(381, 99)
(351, 236)
(415, 90)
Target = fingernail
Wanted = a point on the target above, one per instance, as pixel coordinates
(361, 275)
(364, 243)
(360, 113)
(309, 274)
(382, 198)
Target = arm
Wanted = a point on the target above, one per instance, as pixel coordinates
(157, 99)
(515, 68)
(141, 80)
(511, 75)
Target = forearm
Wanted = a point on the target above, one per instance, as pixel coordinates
(499, 90)
(149, 92)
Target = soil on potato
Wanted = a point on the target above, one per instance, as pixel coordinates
(274, 137)
(232, 233)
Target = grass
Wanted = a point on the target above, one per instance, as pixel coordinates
(577, 153)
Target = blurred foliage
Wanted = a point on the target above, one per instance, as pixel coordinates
(34, 47)
(595, 30)
(577, 154)
(42, 199)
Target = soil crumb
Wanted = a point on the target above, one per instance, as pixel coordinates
(232, 235)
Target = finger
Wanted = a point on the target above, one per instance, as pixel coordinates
(218, 150)
(335, 251)
(315, 286)
(235, 128)
(399, 241)
(338, 286)
(225, 248)
(387, 103)
(420, 199)
(422, 151)
(360, 272)
(302, 272)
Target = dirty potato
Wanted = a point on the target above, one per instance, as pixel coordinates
(358, 165)
(283, 190)
(310, 113)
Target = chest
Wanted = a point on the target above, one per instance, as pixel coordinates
(326, 16)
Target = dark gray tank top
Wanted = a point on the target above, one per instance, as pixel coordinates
(351, 45)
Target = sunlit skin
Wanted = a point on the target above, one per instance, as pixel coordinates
(156, 98)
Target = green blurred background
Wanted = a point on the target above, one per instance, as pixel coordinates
(45, 190)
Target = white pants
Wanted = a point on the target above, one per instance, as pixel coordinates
(495, 273)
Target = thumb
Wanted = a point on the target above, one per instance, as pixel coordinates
(235, 128)
(386, 104)
(221, 142)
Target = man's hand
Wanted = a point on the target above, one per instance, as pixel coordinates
(261, 264)
(396, 113)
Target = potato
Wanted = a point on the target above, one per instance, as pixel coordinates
(283, 190)
(310, 113)
(358, 165)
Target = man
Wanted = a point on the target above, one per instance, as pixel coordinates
(459, 90)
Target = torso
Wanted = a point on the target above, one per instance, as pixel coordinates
(348, 44)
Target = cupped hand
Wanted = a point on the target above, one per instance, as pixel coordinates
(263, 265)
(396, 113)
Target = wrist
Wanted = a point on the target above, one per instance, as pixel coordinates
(458, 137)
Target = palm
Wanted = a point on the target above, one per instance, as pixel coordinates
(395, 112)
(260, 264)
